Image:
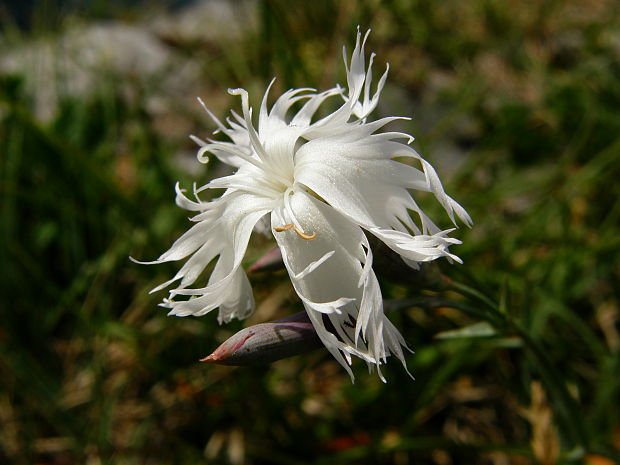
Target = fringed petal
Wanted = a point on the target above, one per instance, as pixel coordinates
(332, 274)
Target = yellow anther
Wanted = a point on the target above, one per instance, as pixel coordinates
(299, 232)
(307, 237)
(286, 227)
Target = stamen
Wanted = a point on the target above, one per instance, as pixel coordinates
(286, 227)
(303, 235)
(289, 208)
(299, 232)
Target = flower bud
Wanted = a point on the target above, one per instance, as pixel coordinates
(267, 342)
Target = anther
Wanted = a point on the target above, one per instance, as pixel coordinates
(286, 227)
(299, 232)
(303, 235)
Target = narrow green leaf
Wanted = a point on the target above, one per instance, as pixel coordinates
(482, 329)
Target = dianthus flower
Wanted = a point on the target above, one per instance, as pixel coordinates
(319, 186)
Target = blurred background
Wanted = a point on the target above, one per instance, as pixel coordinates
(517, 104)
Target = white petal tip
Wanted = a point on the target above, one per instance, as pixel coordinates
(197, 140)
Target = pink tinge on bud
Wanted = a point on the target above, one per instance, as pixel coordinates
(267, 342)
(229, 348)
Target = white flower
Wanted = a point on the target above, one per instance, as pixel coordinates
(325, 184)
